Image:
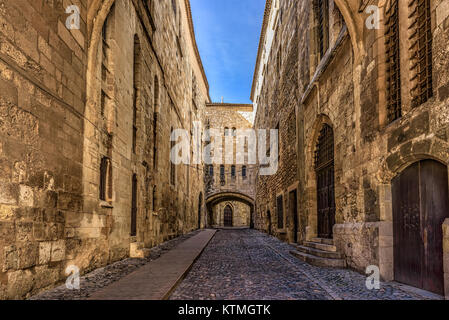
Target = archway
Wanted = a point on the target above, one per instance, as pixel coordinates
(420, 206)
(221, 197)
(228, 216)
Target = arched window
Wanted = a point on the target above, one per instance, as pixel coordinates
(233, 172)
(106, 36)
(244, 172)
(321, 11)
(222, 174)
(136, 87)
(226, 131)
(105, 179)
(211, 170)
(173, 4)
(155, 119)
(234, 131)
(172, 165)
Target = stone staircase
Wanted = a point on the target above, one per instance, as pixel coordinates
(319, 252)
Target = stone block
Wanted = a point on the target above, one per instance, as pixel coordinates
(9, 193)
(7, 231)
(10, 258)
(20, 283)
(27, 255)
(7, 212)
(45, 276)
(9, 92)
(24, 231)
(44, 252)
(58, 250)
(26, 196)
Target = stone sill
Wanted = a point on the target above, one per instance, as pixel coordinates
(105, 204)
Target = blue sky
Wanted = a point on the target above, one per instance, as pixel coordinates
(227, 33)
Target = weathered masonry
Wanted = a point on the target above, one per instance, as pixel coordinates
(85, 121)
(230, 185)
(364, 178)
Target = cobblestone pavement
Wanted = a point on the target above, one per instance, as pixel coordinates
(248, 264)
(102, 277)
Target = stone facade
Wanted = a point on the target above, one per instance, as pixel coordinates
(345, 87)
(276, 101)
(85, 120)
(229, 183)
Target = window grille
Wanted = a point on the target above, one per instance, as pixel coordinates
(421, 51)
(322, 18)
(393, 70)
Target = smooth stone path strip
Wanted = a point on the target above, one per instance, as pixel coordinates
(157, 280)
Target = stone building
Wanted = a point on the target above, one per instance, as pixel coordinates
(274, 94)
(371, 143)
(85, 121)
(230, 183)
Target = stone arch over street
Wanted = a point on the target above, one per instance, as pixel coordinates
(241, 204)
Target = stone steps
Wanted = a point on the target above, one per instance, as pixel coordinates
(319, 252)
(318, 261)
(321, 246)
(323, 240)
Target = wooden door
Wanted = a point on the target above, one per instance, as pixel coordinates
(228, 216)
(293, 206)
(420, 205)
(324, 166)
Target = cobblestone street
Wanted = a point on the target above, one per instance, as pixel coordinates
(247, 264)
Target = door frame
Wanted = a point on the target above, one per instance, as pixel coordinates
(232, 214)
(385, 225)
(294, 188)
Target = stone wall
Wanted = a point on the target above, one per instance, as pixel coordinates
(346, 90)
(67, 101)
(277, 104)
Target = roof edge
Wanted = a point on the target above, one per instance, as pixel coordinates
(266, 17)
(195, 46)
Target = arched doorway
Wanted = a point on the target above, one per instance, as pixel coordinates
(324, 167)
(228, 216)
(420, 206)
(200, 205)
